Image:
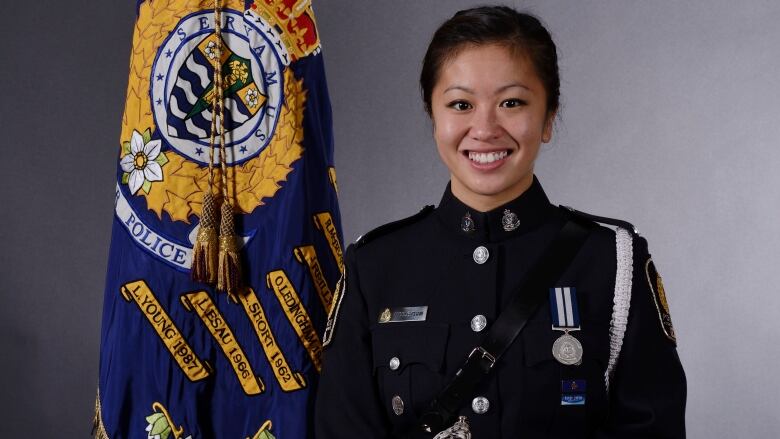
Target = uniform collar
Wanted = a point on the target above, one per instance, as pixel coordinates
(518, 216)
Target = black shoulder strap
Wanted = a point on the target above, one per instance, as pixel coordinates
(389, 227)
(547, 270)
(604, 220)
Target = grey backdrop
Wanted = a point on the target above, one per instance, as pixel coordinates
(670, 120)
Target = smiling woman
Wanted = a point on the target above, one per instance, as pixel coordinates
(497, 314)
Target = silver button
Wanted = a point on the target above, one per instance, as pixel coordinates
(480, 405)
(478, 323)
(395, 363)
(481, 255)
(398, 405)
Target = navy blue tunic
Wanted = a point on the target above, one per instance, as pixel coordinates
(428, 261)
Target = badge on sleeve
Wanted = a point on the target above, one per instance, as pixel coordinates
(333, 314)
(659, 297)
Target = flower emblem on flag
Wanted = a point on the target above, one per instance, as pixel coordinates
(142, 162)
(251, 97)
(211, 50)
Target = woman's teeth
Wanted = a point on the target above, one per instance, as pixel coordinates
(486, 157)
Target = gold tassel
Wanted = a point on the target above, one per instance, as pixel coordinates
(229, 279)
(205, 251)
(98, 429)
(229, 276)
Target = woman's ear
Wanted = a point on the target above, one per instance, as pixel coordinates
(547, 130)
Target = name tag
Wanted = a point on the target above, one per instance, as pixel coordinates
(404, 314)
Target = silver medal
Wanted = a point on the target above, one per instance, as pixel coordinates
(459, 430)
(567, 350)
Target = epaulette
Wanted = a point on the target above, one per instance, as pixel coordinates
(604, 220)
(395, 225)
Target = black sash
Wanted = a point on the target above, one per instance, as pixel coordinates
(532, 293)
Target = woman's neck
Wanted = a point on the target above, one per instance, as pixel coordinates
(488, 202)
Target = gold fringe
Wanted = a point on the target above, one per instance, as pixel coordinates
(229, 279)
(98, 429)
(205, 251)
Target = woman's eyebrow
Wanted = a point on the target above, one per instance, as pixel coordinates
(458, 87)
(498, 90)
(512, 85)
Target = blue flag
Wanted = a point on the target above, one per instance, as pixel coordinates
(180, 359)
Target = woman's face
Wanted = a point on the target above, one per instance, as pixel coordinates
(490, 117)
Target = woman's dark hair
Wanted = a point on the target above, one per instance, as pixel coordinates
(520, 32)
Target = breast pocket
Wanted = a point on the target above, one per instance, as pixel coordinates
(564, 401)
(408, 365)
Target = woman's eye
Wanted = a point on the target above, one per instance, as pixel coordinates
(460, 105)
(513, 103)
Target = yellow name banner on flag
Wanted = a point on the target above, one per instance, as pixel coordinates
(296, 313)
(308, 255)
(325, 224)
(201, 302)
(287, 378)
(140, 293)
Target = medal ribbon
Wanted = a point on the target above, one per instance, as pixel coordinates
(564, 309)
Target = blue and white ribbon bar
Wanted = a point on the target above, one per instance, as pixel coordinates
(563, 307)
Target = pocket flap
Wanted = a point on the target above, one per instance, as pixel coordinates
(411, 343)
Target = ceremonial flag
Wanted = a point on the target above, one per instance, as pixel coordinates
(225, 157)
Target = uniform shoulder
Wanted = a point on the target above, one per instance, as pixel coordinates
(393, 226)
(602, 220)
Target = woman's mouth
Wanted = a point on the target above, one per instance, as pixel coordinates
(487, 158)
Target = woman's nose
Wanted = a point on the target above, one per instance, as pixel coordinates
(484, 124)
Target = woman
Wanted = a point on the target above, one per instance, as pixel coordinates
(496, 312)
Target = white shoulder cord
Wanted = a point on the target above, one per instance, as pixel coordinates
(622, 300)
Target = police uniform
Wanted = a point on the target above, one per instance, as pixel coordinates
(419, 294)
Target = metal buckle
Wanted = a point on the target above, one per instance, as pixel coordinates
(485, 355)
